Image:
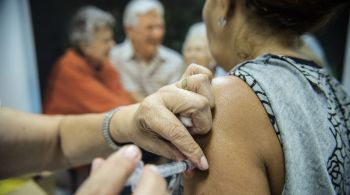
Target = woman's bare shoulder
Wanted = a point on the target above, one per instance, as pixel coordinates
(243, 150)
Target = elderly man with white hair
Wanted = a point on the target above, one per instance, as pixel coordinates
(144, 64)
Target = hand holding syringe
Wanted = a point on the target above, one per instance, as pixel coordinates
(165, 170)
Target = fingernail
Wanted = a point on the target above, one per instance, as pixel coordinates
(204, 163)
(131, 152)
(96, 163)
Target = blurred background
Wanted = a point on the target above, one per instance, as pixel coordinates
(34, 34)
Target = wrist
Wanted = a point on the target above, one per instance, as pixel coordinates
(123, 124)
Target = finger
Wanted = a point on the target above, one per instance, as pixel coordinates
(150, 140)
(164, 148)
(189, 104)
(96, 163)
(193, 69)
(200, 84)
(202, 121)
(170, 128)
(114, 172)
(151, 182)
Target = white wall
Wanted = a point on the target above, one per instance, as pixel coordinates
(346, 73)
(19, 86)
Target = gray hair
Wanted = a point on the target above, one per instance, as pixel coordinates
(140, 7)
(86, 22)
(196, 30)
(199, 30)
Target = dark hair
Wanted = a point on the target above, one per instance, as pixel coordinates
(297, 16)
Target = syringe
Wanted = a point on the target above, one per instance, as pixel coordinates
(165, 170)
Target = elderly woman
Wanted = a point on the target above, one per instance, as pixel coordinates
(196, 49)
(83, 80)
(282, 123)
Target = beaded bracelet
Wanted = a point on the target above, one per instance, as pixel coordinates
(106, 131)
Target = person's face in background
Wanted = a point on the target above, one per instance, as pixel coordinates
(196, 50)
(97, 49)
(148, 35)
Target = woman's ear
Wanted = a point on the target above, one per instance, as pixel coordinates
(228, 7)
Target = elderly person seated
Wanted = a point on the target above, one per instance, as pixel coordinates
(144, 64)
(196, 49)
(83, 80)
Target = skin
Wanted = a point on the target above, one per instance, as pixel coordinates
(147, 36)
(243, 150)
(126, 159)
(97, 50)
(244, 153)
(197, 51)
(32, 143)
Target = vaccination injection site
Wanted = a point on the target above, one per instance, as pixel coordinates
(165, 97)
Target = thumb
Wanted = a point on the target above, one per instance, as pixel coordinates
(96, 163)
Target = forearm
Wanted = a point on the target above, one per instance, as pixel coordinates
(32, 143)
(81, 138)
(27, 142)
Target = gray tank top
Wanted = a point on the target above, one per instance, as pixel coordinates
(310, 113)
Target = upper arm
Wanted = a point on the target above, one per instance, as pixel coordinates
(244, 154)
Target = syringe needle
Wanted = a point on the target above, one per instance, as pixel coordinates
(165, 170)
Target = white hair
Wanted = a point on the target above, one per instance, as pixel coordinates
(86, 22)
(140, 7)
(197, 30)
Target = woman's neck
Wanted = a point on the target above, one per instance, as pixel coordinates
(93, 63)
(251, 48)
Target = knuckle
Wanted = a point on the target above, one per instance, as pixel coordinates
(197, 81)
(145, 106)
(203, 121)
(144, 111)
(192, 149)
(198, 69)
(165, 89)
(193, 69)
(189, 147)
(202, 78)
(141, 118)
(175, 132)
(142, 122)
(203, 103)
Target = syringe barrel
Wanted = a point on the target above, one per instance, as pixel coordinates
(165, 170)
